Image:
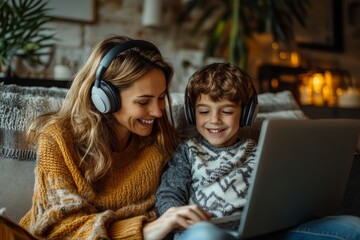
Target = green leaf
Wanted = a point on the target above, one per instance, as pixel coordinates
(23, 30)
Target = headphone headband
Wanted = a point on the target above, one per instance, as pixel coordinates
(116, 50)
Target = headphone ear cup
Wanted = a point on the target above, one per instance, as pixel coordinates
(189, 109)
(244, 115)
(249, 113)
(105, 97)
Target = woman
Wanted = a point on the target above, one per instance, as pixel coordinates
(100, 157)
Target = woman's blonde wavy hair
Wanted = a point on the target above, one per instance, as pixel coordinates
(93, 132)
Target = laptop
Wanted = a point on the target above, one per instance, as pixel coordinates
(301, 173)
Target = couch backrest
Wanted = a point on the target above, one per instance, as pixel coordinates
(19, 105)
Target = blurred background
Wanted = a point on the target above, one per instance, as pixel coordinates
(310, 47)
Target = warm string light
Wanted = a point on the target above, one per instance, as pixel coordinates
(330, 88)
(318, 82)
(318, 89)
(294, 59)
(284, 56)
(305, 90)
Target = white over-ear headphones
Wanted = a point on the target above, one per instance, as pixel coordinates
(104, 95)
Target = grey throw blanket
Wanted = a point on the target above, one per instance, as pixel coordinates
(20, 105)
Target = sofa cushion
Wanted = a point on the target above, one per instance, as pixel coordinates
(273, 102)
(18, 107)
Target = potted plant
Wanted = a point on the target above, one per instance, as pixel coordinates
(230, 24)
(24, 33)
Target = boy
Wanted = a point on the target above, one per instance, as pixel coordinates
(213, 170)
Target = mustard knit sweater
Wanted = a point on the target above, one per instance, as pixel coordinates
(65, 206)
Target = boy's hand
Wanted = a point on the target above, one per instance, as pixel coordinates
(174, 218)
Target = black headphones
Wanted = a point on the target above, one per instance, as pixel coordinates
(104, 95)
(248, 113)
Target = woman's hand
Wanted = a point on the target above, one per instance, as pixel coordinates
(174, 218)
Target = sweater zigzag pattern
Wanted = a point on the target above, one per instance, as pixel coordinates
(220, 176)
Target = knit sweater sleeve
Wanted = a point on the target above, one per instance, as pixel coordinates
(59, 211)
(175, 183)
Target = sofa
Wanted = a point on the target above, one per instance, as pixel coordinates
(20, 104)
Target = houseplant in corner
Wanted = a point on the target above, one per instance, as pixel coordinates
(24, 33)
(230, 24)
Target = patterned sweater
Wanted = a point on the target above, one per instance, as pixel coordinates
(65, 206)
(215, 178)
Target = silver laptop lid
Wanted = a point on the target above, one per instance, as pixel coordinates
(301, 173)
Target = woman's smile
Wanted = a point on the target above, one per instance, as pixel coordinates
(144, 121)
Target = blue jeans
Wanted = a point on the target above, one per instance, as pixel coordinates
(333, 227)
